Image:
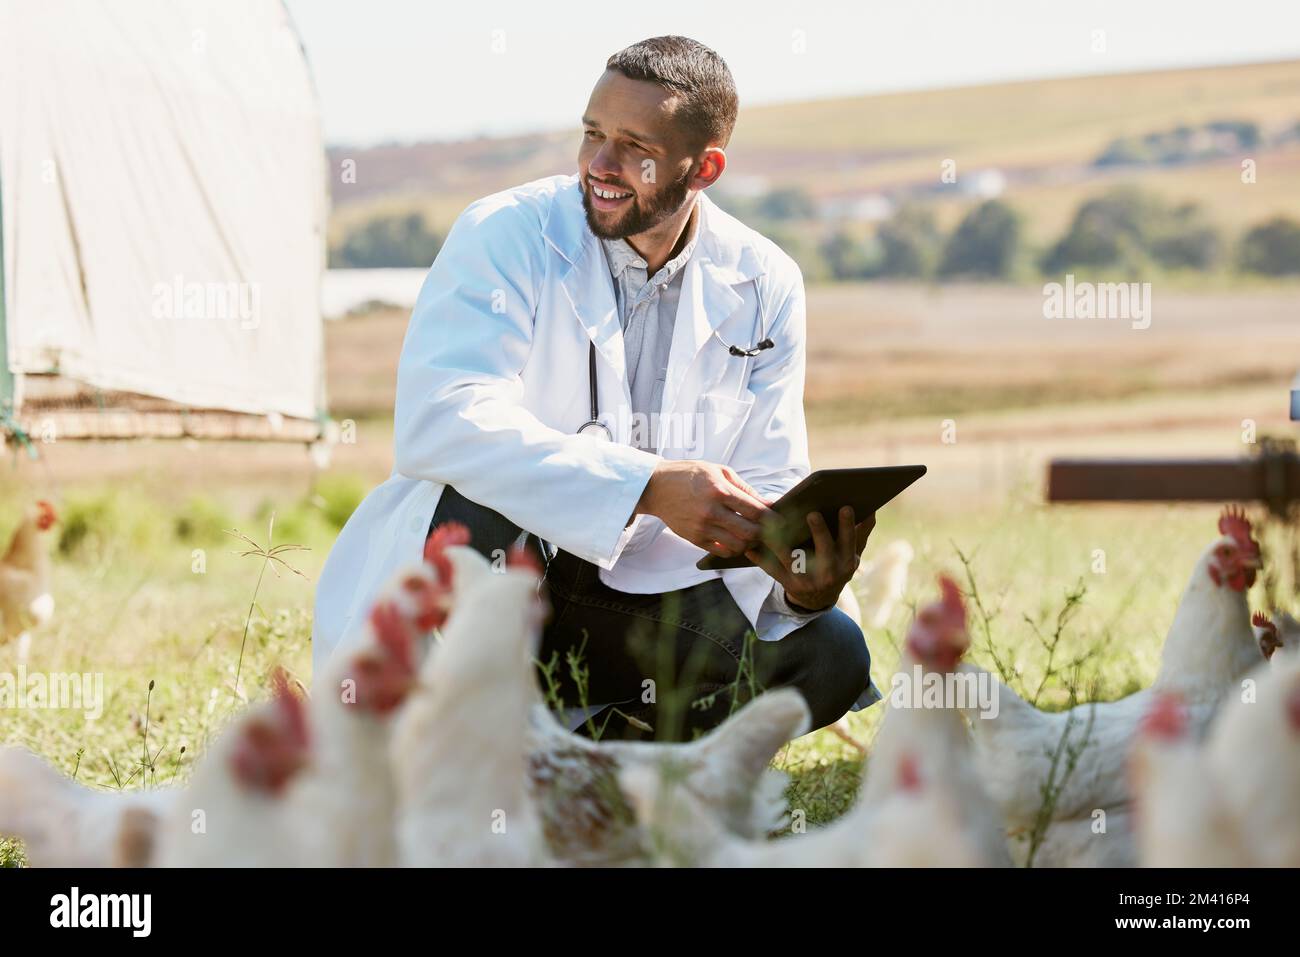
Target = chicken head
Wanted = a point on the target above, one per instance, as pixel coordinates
(272, 747)
(1236, 556)
(938, 636)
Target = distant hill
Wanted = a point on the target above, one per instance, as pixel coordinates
(1038, 143)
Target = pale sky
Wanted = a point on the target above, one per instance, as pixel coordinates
(407, 70)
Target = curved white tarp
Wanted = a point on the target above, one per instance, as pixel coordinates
(162, 190)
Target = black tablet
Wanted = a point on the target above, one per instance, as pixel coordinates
(827, 491)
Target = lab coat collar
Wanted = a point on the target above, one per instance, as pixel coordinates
(724, 257)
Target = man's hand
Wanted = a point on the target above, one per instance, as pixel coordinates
(708, 505)
(814, 581)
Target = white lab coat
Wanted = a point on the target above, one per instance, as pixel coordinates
(492, 384)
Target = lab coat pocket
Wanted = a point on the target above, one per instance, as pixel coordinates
(719, 421)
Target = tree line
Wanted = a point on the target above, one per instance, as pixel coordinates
(1124, 230)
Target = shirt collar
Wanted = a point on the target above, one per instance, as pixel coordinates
(621, 255)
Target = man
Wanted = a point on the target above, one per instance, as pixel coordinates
(693, 326)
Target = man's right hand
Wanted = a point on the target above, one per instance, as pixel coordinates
(709, 505)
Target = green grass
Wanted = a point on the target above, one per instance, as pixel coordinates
(148, 594)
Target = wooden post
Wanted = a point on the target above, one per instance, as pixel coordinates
(1271, 477)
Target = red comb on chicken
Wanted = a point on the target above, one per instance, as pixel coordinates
(291, 708)
(45, 515)
(445, 535)
(938, 636)
(272, 747)
(1167, 718)
(393, 634)
(430, 599)
(1233, 522)
(520, 557)
(1269, 639)
(909, 774)
(1293, 707)
(385, 672)
(1235, 561)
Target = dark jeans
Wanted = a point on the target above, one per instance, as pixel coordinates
(678, 662)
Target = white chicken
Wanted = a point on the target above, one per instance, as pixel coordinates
(1179, 815)
(1230, 801)
(347, 800)
(922, 824)
(1209, 647)
(587, 820)
(459, 747)
(25, 597)
(884, 583)
(1281, 633)
(916, 825)
(1253, 753)
(234, 812)
(573, 780)
(933, 731)
(923, 806)
(65, 824)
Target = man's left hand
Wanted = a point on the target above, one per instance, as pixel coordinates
(814, 580)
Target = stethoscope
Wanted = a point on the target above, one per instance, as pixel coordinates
(591, 426)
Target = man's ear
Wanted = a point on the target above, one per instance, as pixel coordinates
(712, 162)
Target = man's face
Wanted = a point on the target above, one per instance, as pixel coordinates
(631, 148)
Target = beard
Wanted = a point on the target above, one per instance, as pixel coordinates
(641, 215)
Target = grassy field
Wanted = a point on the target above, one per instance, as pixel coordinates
(152, 594)
(149, 587)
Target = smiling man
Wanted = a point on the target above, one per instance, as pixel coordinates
(609, 368)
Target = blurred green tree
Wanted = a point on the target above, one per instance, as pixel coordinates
(1183, 239)
(786, 204)
(399, 240)
(1272, 248)
(848, 257)
(1129, 229)
(796, 244)
(909, 243)
(984, 245)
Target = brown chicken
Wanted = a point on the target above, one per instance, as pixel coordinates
(25, 598)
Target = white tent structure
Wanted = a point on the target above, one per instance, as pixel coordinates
(162, 221)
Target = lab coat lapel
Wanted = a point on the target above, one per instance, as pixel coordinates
(708, 298)
(707, 301)
(586, 281)
(722, 259)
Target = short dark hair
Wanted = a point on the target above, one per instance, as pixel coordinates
(696, 74)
